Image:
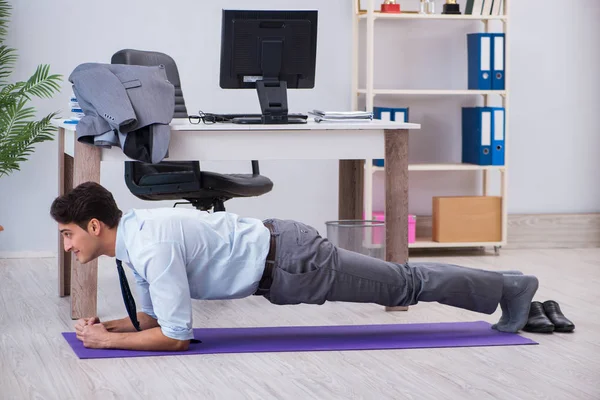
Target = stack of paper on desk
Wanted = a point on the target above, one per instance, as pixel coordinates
(338, 116)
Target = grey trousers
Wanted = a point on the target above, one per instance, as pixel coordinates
(309, 269)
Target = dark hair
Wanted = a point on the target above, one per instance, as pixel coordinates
(86, 201)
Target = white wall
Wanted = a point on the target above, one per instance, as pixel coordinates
(551, 105)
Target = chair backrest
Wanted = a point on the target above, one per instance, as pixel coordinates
(152, 58)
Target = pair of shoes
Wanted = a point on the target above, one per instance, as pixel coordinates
(547, 317)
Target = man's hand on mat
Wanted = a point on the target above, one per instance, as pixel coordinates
(86, 321)
(94, 336)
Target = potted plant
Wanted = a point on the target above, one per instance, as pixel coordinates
(20, 130)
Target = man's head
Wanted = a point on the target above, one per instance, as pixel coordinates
(87, 217)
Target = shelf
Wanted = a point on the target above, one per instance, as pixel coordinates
(434, 92)
(366, 90)
(427, 243)
(453, 167)
(380, 15)
(448, 167)
(422, 243)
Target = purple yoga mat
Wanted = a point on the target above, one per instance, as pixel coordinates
(325, 338)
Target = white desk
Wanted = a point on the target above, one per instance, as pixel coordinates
(348, 142)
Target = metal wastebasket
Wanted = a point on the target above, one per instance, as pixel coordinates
(361, 236)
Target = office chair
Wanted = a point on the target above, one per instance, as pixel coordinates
(176, 180)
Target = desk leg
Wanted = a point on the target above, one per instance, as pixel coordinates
(351, 189)
(396, 198)
(65, 183)
(84, 277)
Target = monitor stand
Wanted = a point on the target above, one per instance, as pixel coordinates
(272, 95)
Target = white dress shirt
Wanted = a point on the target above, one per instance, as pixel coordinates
(180, 254)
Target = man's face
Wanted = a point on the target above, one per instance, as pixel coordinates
(83, 243)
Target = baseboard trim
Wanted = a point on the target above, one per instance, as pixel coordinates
(554, 231)
(542, 231)
(27, 254)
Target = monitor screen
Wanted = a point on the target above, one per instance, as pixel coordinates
(268, 45)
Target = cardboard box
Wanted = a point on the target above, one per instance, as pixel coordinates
(467, 219)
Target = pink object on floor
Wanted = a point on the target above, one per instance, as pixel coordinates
(378, 234)
(412, 228)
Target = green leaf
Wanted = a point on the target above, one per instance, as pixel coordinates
(4, 17)
(41, 84)
(22, 143)
(8, 57)
(15, 118)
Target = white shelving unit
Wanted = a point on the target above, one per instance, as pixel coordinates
(370, 93)
(426, 92)
(431, 16)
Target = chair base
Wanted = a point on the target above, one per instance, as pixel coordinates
(202, 205)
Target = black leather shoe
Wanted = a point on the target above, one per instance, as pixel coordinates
(561, 323)
(538, 321)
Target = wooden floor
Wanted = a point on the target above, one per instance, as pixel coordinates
(36, 362)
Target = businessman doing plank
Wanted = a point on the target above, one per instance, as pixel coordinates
(179, 254)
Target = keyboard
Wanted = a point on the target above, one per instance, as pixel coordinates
(257, 118)
(232, 116)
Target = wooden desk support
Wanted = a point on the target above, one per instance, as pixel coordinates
(76, 279)
(351, 195)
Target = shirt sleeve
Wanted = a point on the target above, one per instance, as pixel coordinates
(144, 294)
(163, 264)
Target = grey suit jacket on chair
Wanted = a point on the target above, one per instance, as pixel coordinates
(129, 106)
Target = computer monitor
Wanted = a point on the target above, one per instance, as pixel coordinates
(270, 51)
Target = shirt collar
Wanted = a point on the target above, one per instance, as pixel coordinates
(120, 248)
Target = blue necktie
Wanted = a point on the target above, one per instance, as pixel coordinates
(127, 297)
